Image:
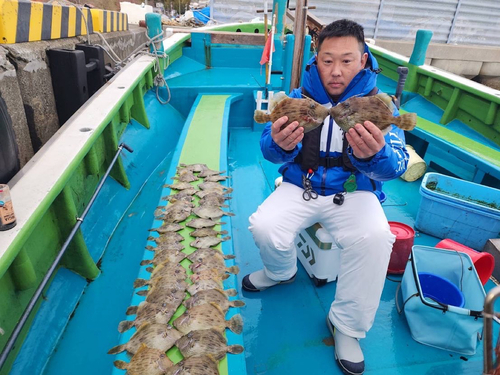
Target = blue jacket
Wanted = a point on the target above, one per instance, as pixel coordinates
(390, 162)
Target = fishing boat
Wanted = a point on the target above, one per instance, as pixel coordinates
(87, 200)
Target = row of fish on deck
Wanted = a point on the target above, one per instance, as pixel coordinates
(198, 333)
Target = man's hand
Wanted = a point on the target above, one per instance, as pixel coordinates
(290, 136)
(365, 140)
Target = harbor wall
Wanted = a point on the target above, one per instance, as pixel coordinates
(26, 83)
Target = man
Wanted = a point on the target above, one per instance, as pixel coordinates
(346, 171)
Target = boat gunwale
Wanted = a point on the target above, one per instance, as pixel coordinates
(35, 187)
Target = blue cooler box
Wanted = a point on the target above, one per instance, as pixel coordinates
(463, 211)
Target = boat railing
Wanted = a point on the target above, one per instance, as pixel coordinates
(490, 316)
(79, 220)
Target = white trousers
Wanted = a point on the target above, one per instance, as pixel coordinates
(361, 232)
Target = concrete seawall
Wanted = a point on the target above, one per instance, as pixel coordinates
(26, 84)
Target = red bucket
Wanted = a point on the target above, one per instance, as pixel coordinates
(483, 262)
(402, 247)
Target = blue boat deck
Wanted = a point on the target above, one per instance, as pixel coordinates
(284, 327)
(285, 330)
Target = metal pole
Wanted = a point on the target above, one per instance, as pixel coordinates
(489, 314)
(379, 16)
(79, 220)
(454, 21)
(299, 28)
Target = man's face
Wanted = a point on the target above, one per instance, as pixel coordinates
(339, 60)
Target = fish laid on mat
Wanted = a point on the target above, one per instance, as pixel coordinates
(209, 172)
(205, 284)
(167, 238)
(175, 215)
(185, 175)
(164, 256)
(210, 212)
(213, 264)
(308, 113)
(167, 227)
(174, 246)
(165, 293)
(207, 232)
(215, 178)
(146, 361)
(203, 223)
(203, 193)
(154, 335)
(212, 295)
(206, 342)
(192, 167)
(180, 194)
(204, 365)
(206, 317)
(168, 271)
(179, 186)
(202, 242)
(214, 199)
(148, 312)
(206, 253)
(376, 108)
(214, 186)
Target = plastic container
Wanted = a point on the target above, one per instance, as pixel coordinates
(460, 210)
(416, 166)
(441, 290)
(401, 249)
(484, 263)
(319, 255)
(7, 216)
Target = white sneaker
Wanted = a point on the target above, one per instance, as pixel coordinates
(348, 353)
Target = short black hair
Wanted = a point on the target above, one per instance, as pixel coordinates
(341, 28)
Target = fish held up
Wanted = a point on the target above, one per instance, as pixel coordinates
(376, 108)
(308, 113)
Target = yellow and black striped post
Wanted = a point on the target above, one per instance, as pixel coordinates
(106, 21)
(24, 21)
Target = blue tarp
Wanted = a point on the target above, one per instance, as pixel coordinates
(202, 15)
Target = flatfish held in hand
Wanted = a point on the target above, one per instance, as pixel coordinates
(309, 113)
(206, 342)
(148, 312)
(146, 361)
(154, 335)
(203, 365)
(212, 295)
(376, 108)
(206, 317)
